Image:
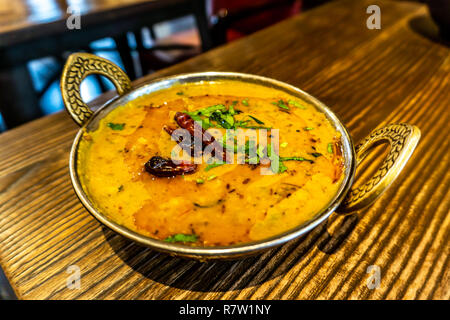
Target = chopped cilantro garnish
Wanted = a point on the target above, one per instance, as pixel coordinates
(228, 144)
(315, 154)
(260, 151)
(256, 120)
(211, 177)
(296, 159)
(207, 111)
(200, 181)
(252, 160)
(330, 148)
(223, 120)
(115, 126)
(284, 144)
(180, 93)
(196, 117)
(245, 102)
(296, 104)
(250, 145)
(274, 159)
(281, 167)
(218, 116)
(229, 118)
(204, 122)
(308, 128)
(241, 123)
(179, 237)
(281, 104)
(213, 165)
(231, 109)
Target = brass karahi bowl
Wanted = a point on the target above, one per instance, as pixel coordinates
(402, 138)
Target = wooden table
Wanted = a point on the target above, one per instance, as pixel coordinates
(35, 29)
(368, 77)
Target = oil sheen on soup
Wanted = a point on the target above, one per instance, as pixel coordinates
(280, 168)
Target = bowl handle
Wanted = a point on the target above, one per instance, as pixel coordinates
(403, 139)
(76, 69)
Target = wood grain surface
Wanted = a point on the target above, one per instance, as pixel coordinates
(369, 78)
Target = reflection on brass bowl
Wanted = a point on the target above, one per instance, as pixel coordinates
(123, 172)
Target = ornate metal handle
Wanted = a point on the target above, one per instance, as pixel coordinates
(76, 69)
(403, 139)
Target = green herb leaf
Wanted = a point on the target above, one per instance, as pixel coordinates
(274, 159)
(269, 150)
(213, 165)
(249, 145)
(196, 117)
(284, 144)
(241, 123)
(179, 237)
(208, 111)
(245, 102)
(252, 160)
(256, 120)
(281, 166)
(281, 104)
(315, 154)
(211, 177)
(296, 159)
(180, 93)
(116, 126)
(308, 128)
(330, 148)
(200, 181)
(204, 122)
(225, 146)
(260, 151)
(296, 104)
(231, 110)
(223, 120)
(229, 118)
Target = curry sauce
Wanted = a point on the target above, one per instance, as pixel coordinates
(216, 204)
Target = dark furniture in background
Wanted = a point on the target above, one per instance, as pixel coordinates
(25, 35)
(227, 20)
(30, 30)
(440, 11)
(234, 19)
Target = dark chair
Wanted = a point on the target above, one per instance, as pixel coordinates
(234, 19)
(227, 21)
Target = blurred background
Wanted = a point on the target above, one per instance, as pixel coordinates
(36, 36)
(141, 36)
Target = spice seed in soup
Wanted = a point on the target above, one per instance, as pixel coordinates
(166, 187)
